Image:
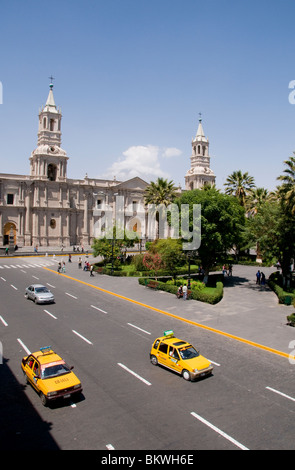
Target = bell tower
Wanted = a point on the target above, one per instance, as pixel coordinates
(200, 173)
(48, 161)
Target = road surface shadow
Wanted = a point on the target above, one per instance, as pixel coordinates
(22, 428)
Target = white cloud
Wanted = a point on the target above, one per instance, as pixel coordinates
(141, 161)
(170, 152)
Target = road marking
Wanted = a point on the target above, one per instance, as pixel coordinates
(137, 327)
(280, 393)
(24, 346)
(46, 311)
(5, 265)
(82, 337)
(14, 267)
(35, 277)
(110, 447)
(215, 363)
(23, 271)
(199, 325)
(70, 295)
(1, 267)
(96, 308)
(226, 436)
(3, 279)
(50, 285)
(3, 321)
(134, 373)
(15, 288)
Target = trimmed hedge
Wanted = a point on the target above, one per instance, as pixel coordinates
(210, 295)
(274, 282)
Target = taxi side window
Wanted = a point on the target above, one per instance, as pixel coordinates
(163, 348)
(156, 344)
(30, 362)
(36, 368)
(173, 353)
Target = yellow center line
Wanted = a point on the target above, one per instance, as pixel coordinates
(191, 322)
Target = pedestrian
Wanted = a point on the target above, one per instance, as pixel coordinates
(70, 258)
(258, 277)
(6, 250)
(262, 279)
(80, 263)
(63, 267)
(179, 292)
(184, 290)
(91, 270)
(224, 270)
(59, 267)
(230, 270)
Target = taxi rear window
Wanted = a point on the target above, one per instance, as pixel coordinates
(178, 343)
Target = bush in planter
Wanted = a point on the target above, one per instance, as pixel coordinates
(291, 319)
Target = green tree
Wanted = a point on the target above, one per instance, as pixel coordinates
(256, 197)
(287, 190)
(171, 253)
(239, 185)
(222, 222)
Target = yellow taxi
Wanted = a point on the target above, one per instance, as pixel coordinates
(179, 356)
(50, 376)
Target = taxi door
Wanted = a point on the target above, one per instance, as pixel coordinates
(163, 354)
(32, 370)
(173, 360)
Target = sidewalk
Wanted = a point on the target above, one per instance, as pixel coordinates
(247, 310)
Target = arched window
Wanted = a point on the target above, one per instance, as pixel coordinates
(44, 123)
(51, 172)
(52, 124)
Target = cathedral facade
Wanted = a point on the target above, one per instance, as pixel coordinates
(46, 208)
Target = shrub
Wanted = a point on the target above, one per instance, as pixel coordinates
(291, 319)
(211, 295)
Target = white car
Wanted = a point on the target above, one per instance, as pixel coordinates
(39, 294)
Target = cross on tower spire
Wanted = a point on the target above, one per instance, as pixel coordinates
(51, 78)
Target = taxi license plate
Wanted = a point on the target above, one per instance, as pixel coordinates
(67, 396)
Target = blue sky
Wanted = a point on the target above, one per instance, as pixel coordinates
(131, 77)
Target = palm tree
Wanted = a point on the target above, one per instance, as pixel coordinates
(240, 185)
(160, 193)
(287, 190)
(256, 197)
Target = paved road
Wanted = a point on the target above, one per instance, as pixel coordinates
(247, 310)
(250, 397)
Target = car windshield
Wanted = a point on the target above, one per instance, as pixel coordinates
(41, 290)
(54, 370)
(188, 353)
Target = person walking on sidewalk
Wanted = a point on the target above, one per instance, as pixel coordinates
(184, 290)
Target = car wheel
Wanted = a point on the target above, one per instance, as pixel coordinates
(154, 360)
(35, 300)
(186, 374)
(43, 399)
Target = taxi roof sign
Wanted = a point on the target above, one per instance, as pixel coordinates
(46, 349)
(169, 333)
